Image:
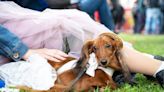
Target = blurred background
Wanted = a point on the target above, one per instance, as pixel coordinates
(140, 16)
(127, 16)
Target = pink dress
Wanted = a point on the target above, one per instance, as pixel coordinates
(50, 28)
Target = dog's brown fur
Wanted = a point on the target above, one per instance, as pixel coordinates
(106, 48)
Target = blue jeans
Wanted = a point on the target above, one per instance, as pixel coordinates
(90, 6)
(153, 21)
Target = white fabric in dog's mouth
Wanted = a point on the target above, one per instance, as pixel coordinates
(93, 65)
(92, 62)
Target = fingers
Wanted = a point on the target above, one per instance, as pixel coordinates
(59, 53)
(55, 55)
(50, 58)
(52, 54)
(59, 57)
(27, 54)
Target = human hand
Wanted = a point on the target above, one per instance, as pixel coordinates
(50, 54)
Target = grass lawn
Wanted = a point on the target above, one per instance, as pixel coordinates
(148, 44)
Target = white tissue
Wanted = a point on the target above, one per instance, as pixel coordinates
(69, 65)
(92, 65)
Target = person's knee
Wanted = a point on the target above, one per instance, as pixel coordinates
(90, 6)
(100, 1)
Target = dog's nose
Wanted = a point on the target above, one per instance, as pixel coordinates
(103, 62)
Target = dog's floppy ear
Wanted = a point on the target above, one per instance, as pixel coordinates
(85, 52)
(114, 37)
(125, 70)
(119, 46)
(87, 49)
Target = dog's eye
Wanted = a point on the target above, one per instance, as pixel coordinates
(95, 48)
(108, 46)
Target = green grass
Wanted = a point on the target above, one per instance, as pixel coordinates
(149, 44)
(145, 43)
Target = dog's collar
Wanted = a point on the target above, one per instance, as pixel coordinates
(91, 67)
(70, 65)
(109, 71)
(80, 74)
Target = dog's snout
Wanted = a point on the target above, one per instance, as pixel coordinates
(103, 62)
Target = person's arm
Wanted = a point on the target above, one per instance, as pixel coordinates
(10, 45)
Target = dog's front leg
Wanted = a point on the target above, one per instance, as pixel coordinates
(111, 84)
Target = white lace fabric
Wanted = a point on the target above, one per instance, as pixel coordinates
(35, 73)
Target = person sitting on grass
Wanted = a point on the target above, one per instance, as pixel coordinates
(48, 34)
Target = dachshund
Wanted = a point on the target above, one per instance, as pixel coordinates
(85, 83)
(107, 52)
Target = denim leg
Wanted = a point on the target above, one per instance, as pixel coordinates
(162, 23)
(152, 25)
(90, 6)
(106, 15)
(156, 22)
(148, 22)
(155, 26)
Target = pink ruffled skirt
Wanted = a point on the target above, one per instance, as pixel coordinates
(50, 28)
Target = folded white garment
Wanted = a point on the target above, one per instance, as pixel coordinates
(92, 65)
(36, 73)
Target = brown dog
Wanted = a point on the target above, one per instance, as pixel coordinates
(106, 48)
(85, 83)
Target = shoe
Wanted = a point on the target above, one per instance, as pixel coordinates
(119, 78)
(159, 57)
(160, 77)
(148, 77)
